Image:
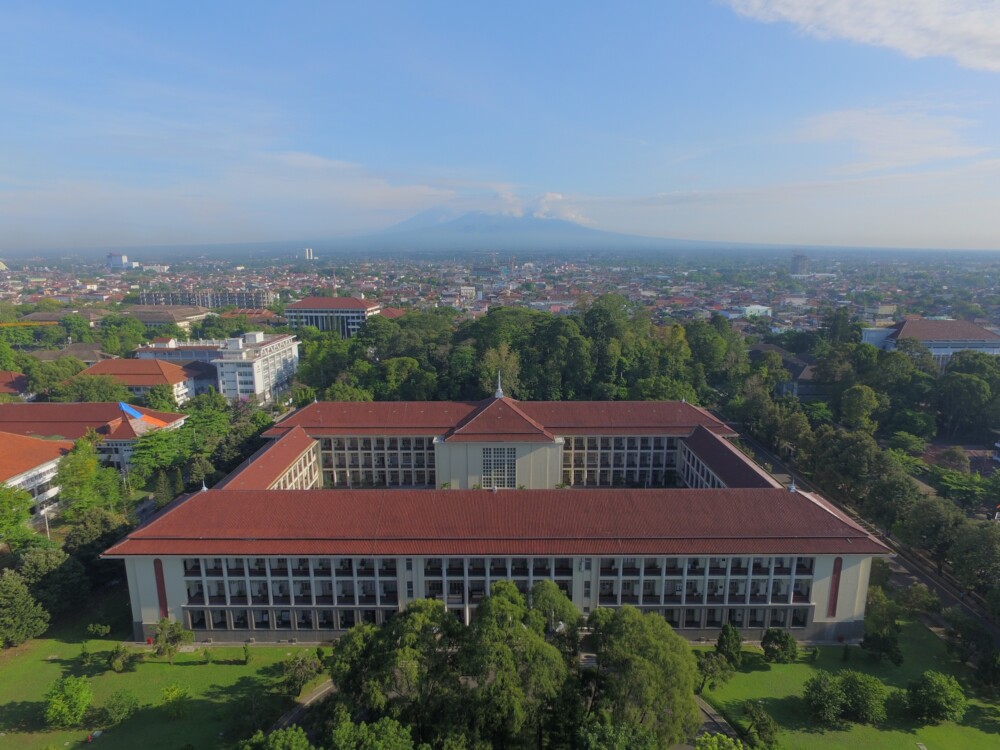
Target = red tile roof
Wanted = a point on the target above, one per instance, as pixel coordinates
(941, 330)
(332, 303)
(392, 312)
(727, 462)
(264, 467)
(19, 454)
(554, 417)
(376, 418)
(72, 421)
(498, 419)
(511, 522)
(139, 372)
(13, 383)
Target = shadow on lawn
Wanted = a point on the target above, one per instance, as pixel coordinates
(983, 718)
(22, 716)
(250, 703)
(753, 662)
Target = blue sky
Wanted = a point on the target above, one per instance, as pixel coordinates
(843, 122)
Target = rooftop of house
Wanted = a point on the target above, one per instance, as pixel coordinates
(138, 373)
(923, 329)
(20, 454)
(110, 419)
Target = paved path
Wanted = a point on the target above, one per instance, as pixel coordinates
(302, 703)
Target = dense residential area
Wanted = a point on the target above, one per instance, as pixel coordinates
(523, 489)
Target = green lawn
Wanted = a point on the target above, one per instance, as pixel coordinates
(779, 687)
(225, 694)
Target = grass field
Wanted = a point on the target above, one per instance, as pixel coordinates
(227, 696)
(779, 687)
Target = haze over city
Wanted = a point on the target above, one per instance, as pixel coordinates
(751, 121)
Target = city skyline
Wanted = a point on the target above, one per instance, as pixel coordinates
(757, 121)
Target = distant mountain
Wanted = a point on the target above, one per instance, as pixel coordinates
(436, 230)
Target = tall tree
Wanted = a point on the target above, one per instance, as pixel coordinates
(504, 361)
(518, 675)
(15, 510)
(58, 581)
(856, 407)
(648, 674)
(21, 617)
(161, 398)
(91, 388)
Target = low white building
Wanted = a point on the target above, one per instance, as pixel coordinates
(30, 464)
(942, 338)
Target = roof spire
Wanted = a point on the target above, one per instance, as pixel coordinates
(204, 487)
(499, 393)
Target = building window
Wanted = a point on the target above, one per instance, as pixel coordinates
(499, 468)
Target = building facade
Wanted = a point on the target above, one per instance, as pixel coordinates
(245, 298)
(505, 444)
(345, 315)
(274, 565)
(671, 517)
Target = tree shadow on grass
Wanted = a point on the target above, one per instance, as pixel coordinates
(790, 712)
(249, 704)
(753, 662)
(984, 718)
(22, 716)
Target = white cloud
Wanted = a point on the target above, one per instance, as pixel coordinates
(947, 208)
(966, 30)
(265, 196)
(891, 137)
(556, 206)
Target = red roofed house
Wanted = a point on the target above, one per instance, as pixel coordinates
(678, 522)
(13, 383)
(30, 464)
(942, 337)
(118, 424)
(345, 315)
(139, 375)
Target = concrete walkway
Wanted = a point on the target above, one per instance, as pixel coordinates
(302, 703)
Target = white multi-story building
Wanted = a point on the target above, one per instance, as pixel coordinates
(702, 536)
(345, 315)
(255, 365)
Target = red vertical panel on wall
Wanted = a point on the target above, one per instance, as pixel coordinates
(161, 587)
(831, 608)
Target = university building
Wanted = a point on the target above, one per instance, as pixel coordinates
(256, 365)
(345, 315)
(616, 502)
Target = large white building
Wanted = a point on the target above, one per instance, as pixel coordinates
(255, 365)
(672, 519)
(345, 315)
(943, 338)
